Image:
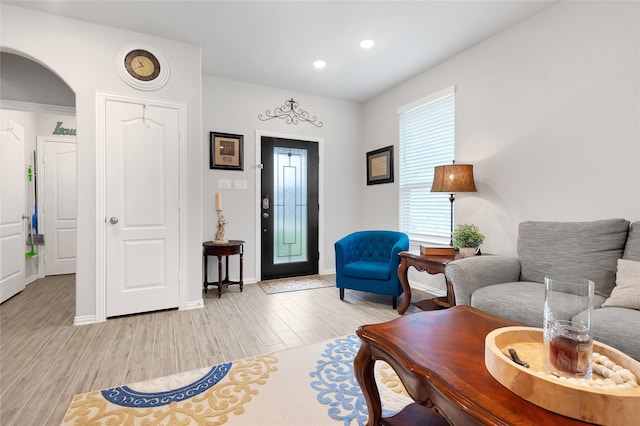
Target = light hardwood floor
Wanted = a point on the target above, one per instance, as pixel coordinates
(45, 359)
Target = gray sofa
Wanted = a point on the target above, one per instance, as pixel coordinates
(513, 288)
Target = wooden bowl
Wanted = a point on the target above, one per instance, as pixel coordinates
(590, 404)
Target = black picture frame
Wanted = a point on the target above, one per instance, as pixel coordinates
(226, 151)
(380, 166)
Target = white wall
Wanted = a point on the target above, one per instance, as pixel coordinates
(233, 107)
(548, 113)
(83, 56)
(46, 123)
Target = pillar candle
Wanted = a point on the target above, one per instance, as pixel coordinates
(218, 201)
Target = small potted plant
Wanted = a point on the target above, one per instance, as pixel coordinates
(467, 238)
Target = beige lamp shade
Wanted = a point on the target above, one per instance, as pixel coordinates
(453, 178)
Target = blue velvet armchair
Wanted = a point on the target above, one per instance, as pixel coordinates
(368, 261)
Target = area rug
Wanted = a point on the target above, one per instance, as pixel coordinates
(294, 284)
(307, 385)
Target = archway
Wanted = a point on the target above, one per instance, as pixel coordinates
(45, 104)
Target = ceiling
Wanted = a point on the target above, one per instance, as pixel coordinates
(274, 43)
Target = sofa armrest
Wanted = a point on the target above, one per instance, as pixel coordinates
(471, 273)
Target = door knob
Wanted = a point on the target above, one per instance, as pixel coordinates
(113, 220)
(265, 215)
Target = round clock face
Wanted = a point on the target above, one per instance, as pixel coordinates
(142, 65)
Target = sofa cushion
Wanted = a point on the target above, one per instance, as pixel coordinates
(632, 249)
(517, 301)
(617, 327)
(520, 301)
(570, 250)
(367, 270)
(626, 293)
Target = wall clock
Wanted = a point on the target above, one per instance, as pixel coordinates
(142, 67)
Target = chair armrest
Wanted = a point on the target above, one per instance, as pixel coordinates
(471, 273)
(341, 253)
(401, 245)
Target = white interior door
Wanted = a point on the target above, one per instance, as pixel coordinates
(142, 206)
(12, 208)
(59, 197)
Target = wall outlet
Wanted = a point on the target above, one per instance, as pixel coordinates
(240, 184)
(224, 183)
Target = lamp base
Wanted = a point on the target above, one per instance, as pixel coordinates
(452, 198)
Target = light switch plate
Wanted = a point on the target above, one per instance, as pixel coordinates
(224, 183)
(240, 184)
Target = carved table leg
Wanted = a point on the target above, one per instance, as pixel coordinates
(406, 288)
(205, 284)
(219, 277)
(241, 262)
(451, 295)
(363, 365)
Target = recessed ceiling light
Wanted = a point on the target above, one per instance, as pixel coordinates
(367, 44)
(319, 64)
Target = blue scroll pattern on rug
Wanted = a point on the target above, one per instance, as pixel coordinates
(336, 384)
(127, 397)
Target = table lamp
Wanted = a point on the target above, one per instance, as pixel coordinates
(453, 178)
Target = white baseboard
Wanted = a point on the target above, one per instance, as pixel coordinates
(84, 319)
(32, 278)
(427, 288)
(194, 304)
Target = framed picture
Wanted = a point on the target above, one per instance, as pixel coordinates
(225, 151)
(380, 166)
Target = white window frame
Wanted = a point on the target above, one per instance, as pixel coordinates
(426, 139)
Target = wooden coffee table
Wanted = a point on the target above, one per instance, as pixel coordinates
(439, 356)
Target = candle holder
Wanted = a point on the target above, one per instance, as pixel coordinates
(219, 238)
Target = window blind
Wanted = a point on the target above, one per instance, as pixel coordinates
(427, 135)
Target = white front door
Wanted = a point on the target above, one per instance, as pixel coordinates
(12, 208)
(59, 164)
(142, 206)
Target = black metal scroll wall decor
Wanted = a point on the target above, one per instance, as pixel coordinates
(292, 113)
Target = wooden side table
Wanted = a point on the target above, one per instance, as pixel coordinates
(431, 265)
(209, 248)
